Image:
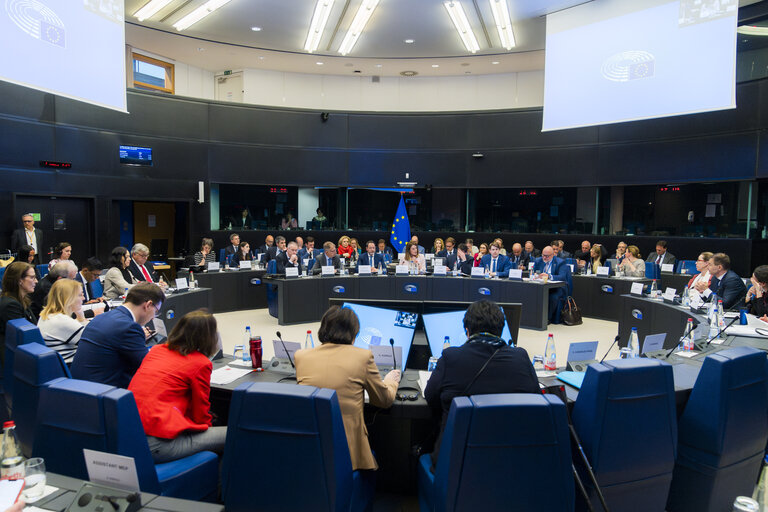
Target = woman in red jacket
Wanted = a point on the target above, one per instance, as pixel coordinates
(172, 389)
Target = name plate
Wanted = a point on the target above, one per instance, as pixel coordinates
(438, 261)
(401, 269)
(245, 265)
(516, 273)
(637, 289)
(440, 270)
(382, 355)
(603, 271)
(291, 271)
(213, 266)
(112, 470)
(305, 262)
(654, 342)
(668, 267)
(478, 272)
(364, 270)
(428, 256)
(669, 293)
(327, 270)
(530, 266)
(182, 284)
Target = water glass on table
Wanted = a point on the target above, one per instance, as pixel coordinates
(34, 479)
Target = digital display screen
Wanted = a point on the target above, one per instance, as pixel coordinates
(451, 324)
(135, 155)
(378, 325)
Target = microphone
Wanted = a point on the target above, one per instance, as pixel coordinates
(392, 344)
(694, 324)
(710, 340)
(286, 349)
(615, 341)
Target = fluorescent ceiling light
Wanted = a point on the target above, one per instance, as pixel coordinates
(460, 21)
(752, 30)
(198, 14)
(358, 24)
(503, 23)
(150, 9)
(317, 26)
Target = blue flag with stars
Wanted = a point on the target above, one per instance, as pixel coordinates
(401, 228)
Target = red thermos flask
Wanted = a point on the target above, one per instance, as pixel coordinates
(256, 353)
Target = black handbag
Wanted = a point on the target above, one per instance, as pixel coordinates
(571, 313)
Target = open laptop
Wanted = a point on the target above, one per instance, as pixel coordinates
(450, 323)
(378, 326)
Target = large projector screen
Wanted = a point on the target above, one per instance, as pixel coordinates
(611, 61)
(73, 48)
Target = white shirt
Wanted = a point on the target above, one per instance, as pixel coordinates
(31, 238)
(702, 277)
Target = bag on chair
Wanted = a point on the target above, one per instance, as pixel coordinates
(571, 314)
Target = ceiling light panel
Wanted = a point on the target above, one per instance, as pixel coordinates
(150, 9)
(361, 18)
(198, 14)
(460, 21)
(317, 25)
(503, 23)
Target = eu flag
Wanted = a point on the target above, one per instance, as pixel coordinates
(401, 228)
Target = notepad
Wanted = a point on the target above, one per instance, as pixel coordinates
(9, 492)
(227, 374)
(574, 379)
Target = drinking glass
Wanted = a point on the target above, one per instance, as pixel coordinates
(34, 479)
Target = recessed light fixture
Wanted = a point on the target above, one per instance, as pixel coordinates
(256, 29)
(409, 73)
(348, 65)
(408, 41)
(464, 64)
(435, 65)
(319, 63)
(495, 62)
(378, 65)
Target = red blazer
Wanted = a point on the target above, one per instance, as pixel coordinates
(172, 392)
(345, 251)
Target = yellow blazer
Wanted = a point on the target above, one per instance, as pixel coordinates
(349, 370)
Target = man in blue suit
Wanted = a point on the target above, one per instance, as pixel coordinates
(557, 270)
(113, 345)
(308, 252)
(497, 264)
(725, 283)
(385, 251)
(369, 257)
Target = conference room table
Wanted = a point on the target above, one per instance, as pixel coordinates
(233, 290)
(305, 299)
(179, 303)
(598, 296)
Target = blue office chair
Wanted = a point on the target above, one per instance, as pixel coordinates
(272, 305)
(76, 414)
(501, 452)
(17, 332)
(626, 420)
(222, 256)
(2, 273)
(652, 270)
(97, 288)
(283, 424)
(723, 432)
(35, 366)
(42, 270)
(688, 265)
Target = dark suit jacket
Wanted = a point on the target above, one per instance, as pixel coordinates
(581, 255)
(502, 266)
(305, 255)
(283, 263)
(564, 255)
(135, 271)
(668, 258)
(364, 259)
(465, 267)
(387, 254)
(19, 238)
(558, 270)
(516, 261)
(263, 248)
(231, 249)
(40, 295)
(532, 256)
(272, 253)
(10, 309)
(730, 289)
(87, 290)
(111, 349)
(321, 261)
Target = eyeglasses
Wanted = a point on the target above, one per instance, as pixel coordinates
(157, 307)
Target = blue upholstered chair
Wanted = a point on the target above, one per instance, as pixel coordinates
(723, 432)
(652, 270)
(626, 420)
(501, 452)
(296, 431)
(17, 332)
(222, 256)
(75, 414)
(272, 305)
(42, 269)
(35, 366)
(688, 265)
(97, 288)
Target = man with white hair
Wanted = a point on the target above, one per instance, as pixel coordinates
(142, 269)
(65, 269)
(289, 259)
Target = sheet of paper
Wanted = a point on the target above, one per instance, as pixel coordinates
(112, 470)
(9, 492)
(711, 210)
(227, 374)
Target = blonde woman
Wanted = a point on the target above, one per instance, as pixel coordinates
(437, 246)
(60, 331)
(345, 249)
(633, 265)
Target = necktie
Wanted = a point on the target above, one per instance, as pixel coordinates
(85, 290)
(658, 260)
(146, 274)
(493, 266)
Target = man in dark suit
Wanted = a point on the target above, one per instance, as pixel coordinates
(234, 245)
(662, 256)
(518, 258)
(369, 257)
(496, 263)
(384, 251)
(329, 258)
(531, 251)
(450, 248)
(289, 259)
(559, 248)
(276, 249)
(505, 369)
(557, 270)
(113, 345)
(462, 261)
(269, 241)
(62, 270)
(142, 269)
(725, 283)
(90, 272)
(308, 252)
(28, 235)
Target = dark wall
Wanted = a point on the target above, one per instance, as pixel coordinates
(196, 140)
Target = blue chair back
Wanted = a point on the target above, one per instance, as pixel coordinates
(2, 273)
(688, 265)
(725, 431)
(625, 416)
(97, 288)
(285, 422)
(42, 270)
(272, 305)
(222, 256)
(652, 270)
(35, 366)
(17, 332)
(503, 452)
(272, 267)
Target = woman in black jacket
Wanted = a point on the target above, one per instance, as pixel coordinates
(19, 282)
(756, 295)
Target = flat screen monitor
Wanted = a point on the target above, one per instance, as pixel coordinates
(135, 155)
(450, 323)
(378, 325)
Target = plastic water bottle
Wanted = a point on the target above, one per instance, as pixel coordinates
(456, 268)
(246, 343)
(12, 464)
(550, 357)
(654, 289)
(714, 324)
(686, 299)
(633, 344)
(447, 342)
(191, 280)
(688, 343)
(720, 319)
(381, 269)
(308, 341)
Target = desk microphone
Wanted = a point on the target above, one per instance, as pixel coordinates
(693, 326)
(392, 344)
(286, 349)
(615, 341)
(719, 332)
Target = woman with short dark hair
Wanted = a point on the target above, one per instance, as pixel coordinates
(172, 388)
(756, 295)
(205, 255)
(118, 278)
(19, 282)
(337, 364)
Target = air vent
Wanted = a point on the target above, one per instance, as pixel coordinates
(375, 79)
(409, 73)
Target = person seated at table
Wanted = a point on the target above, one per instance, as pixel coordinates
(205, 255)
(289, 222)
(413, 258)
(385, 251)
(632, 264)
(531, 251)
(583, 255)
(481, 251)
(557, 270)
(269, 241)
(496, 263)
(621, 252)
(596, 259)
(289, 259)
(725, 284)
(234, 245)
(62, 252)
(519, 258)
(559, 247)
(502, 251)
(662, 256)
(59, 330)
(438, 246)
(415, 241)
(118, 278)
(19, 282)
(351, 371)
(756, 295)
(243, 254)
(65, 269)
(484, 364)
(89, 273)
(320, 217)
(449, 250)
(27, 254)
(471, 247)
(308, 252)
(345, 248)
(702, 275)
(463, 261)
(172, 389)
(142, 269)
(328, 258)
(370, 257)
(356, 251)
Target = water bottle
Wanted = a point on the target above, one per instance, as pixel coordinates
(191, 280)
(714, 324)
(686, 299)
(308, 341)
(550, 357)
(12, 464)
(633, 344)
(246, 341)
(688, 343)
(720, 319)
(589, 268)
(456, 268)
(654, 289)
(381, 269)
(446, 342)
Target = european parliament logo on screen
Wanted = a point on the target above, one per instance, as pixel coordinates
(37, 20)
(630, 65)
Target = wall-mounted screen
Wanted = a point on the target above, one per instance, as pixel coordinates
(135, 155)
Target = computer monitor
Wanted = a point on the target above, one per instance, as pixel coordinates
(450, 323)
(378, 325)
